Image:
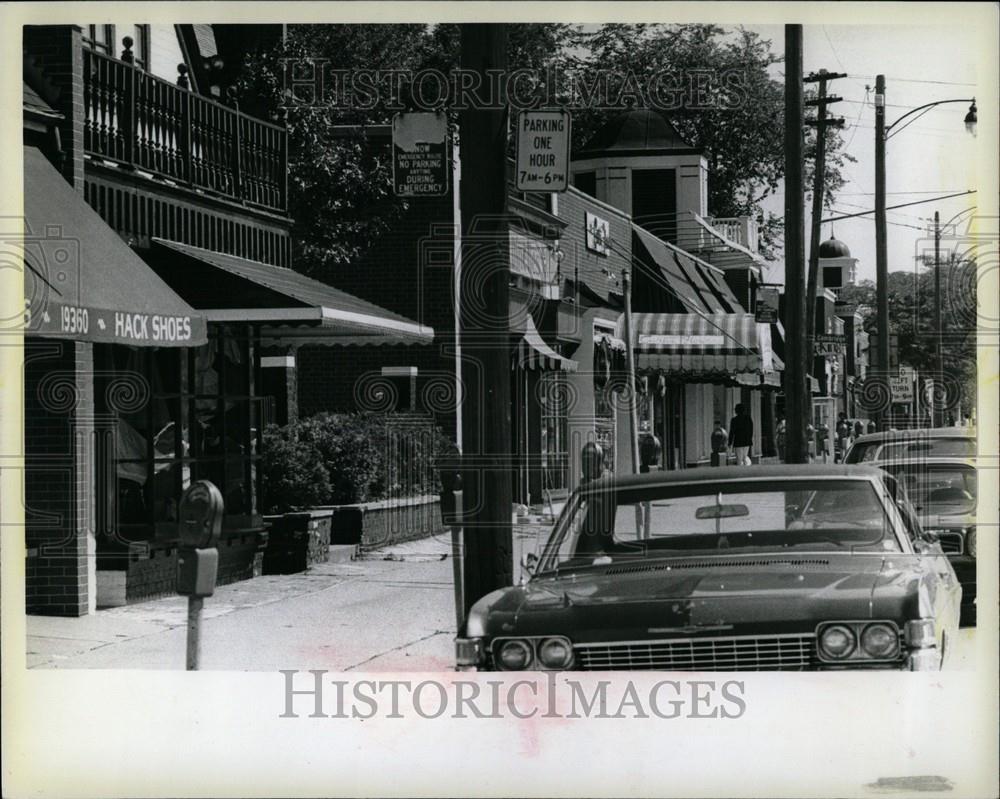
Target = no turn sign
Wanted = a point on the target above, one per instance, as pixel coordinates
(543, 150)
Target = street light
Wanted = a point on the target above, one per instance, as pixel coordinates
(882, 134)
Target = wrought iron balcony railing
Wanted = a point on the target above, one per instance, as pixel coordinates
(147, 123)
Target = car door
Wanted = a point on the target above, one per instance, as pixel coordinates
(930, 560)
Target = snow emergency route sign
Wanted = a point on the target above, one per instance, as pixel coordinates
(420, 164)
(543, 150)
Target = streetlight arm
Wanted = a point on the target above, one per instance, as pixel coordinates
(923, 107)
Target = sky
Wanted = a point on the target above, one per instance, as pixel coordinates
(932, 156)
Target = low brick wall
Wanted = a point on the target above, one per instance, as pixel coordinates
(151, 568)
(297, 541)
(370, 525)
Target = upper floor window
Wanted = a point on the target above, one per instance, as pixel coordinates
(100, 38)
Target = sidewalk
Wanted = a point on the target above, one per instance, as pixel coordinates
(392, 609)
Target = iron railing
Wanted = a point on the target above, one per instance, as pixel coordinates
(147, 123)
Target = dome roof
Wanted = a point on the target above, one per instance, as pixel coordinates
(638, 131)
(834, 248)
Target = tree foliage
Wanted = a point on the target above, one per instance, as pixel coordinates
(340, 189)
(912, 298)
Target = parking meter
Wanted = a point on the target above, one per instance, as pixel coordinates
(201, 511)
(592, 461)
(720, 443)
(449, 466)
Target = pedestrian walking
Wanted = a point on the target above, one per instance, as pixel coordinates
(741, 435)
(779, 439)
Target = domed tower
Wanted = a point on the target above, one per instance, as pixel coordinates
(836, 266)
(639, 163)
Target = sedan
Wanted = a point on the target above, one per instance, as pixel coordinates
(943, 492)
(789, 567)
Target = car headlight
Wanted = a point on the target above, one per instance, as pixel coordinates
(970, 541)
(837, 641)
(515, 654)
(555, 653)
(880, 641)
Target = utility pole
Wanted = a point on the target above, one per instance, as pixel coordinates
(796, 384)
(632, 394)
(484, 322)
(819, 182)
(938, 333)
(881, 256)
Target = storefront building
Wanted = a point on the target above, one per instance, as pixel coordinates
(158, 299)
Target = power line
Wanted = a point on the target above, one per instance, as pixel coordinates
(938, 82)
(901, 205)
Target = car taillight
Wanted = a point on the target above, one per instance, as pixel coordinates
(555, 653)
(515, 654)
(880, 641)
(837, 641)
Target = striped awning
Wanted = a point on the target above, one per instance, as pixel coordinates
(533, 353)
(773, 379)
(701, 345)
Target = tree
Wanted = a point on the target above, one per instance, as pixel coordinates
(911, 317)
(340, 189)
(742, 132)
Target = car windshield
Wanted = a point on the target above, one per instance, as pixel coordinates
(938, 447)
(938, 489)
(734, 516)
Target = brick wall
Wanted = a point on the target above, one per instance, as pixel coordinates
(59, 498)
(58, 50)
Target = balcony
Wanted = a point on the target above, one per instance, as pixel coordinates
(145, 123)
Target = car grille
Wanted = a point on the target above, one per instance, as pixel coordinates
(749, 653)
(951, 543)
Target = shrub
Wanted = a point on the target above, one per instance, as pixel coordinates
(346, 458)
(292, 472)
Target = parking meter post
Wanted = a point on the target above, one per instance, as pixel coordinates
(201, 509)
(195, 605)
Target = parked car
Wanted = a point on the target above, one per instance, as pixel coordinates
(953, 442)
(792, 567)
(943, 492)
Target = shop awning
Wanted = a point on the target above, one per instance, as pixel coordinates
(703, 346)
(773, 379)
(82, 282)
(655, 254)
(288, 305)
(533, 353)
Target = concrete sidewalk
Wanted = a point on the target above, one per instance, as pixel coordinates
(390, 609)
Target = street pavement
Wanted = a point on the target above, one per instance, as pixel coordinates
(391, 610)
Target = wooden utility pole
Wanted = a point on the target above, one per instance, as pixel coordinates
(632, 394)
(819, 181)
(881, 254)
(796, 384)
(484, 323)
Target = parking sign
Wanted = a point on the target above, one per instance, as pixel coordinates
(543, 150)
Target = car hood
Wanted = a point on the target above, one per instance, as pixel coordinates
(720, 595)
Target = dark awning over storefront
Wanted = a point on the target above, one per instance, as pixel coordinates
(653, 253)
(702, 346)
(534, 353)
(290, 306)
(82, 282)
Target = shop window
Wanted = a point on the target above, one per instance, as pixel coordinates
(171, 416)
(402, 383)
(554, 402)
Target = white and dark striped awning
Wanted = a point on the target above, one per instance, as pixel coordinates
(533, 353)
(705, 346)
